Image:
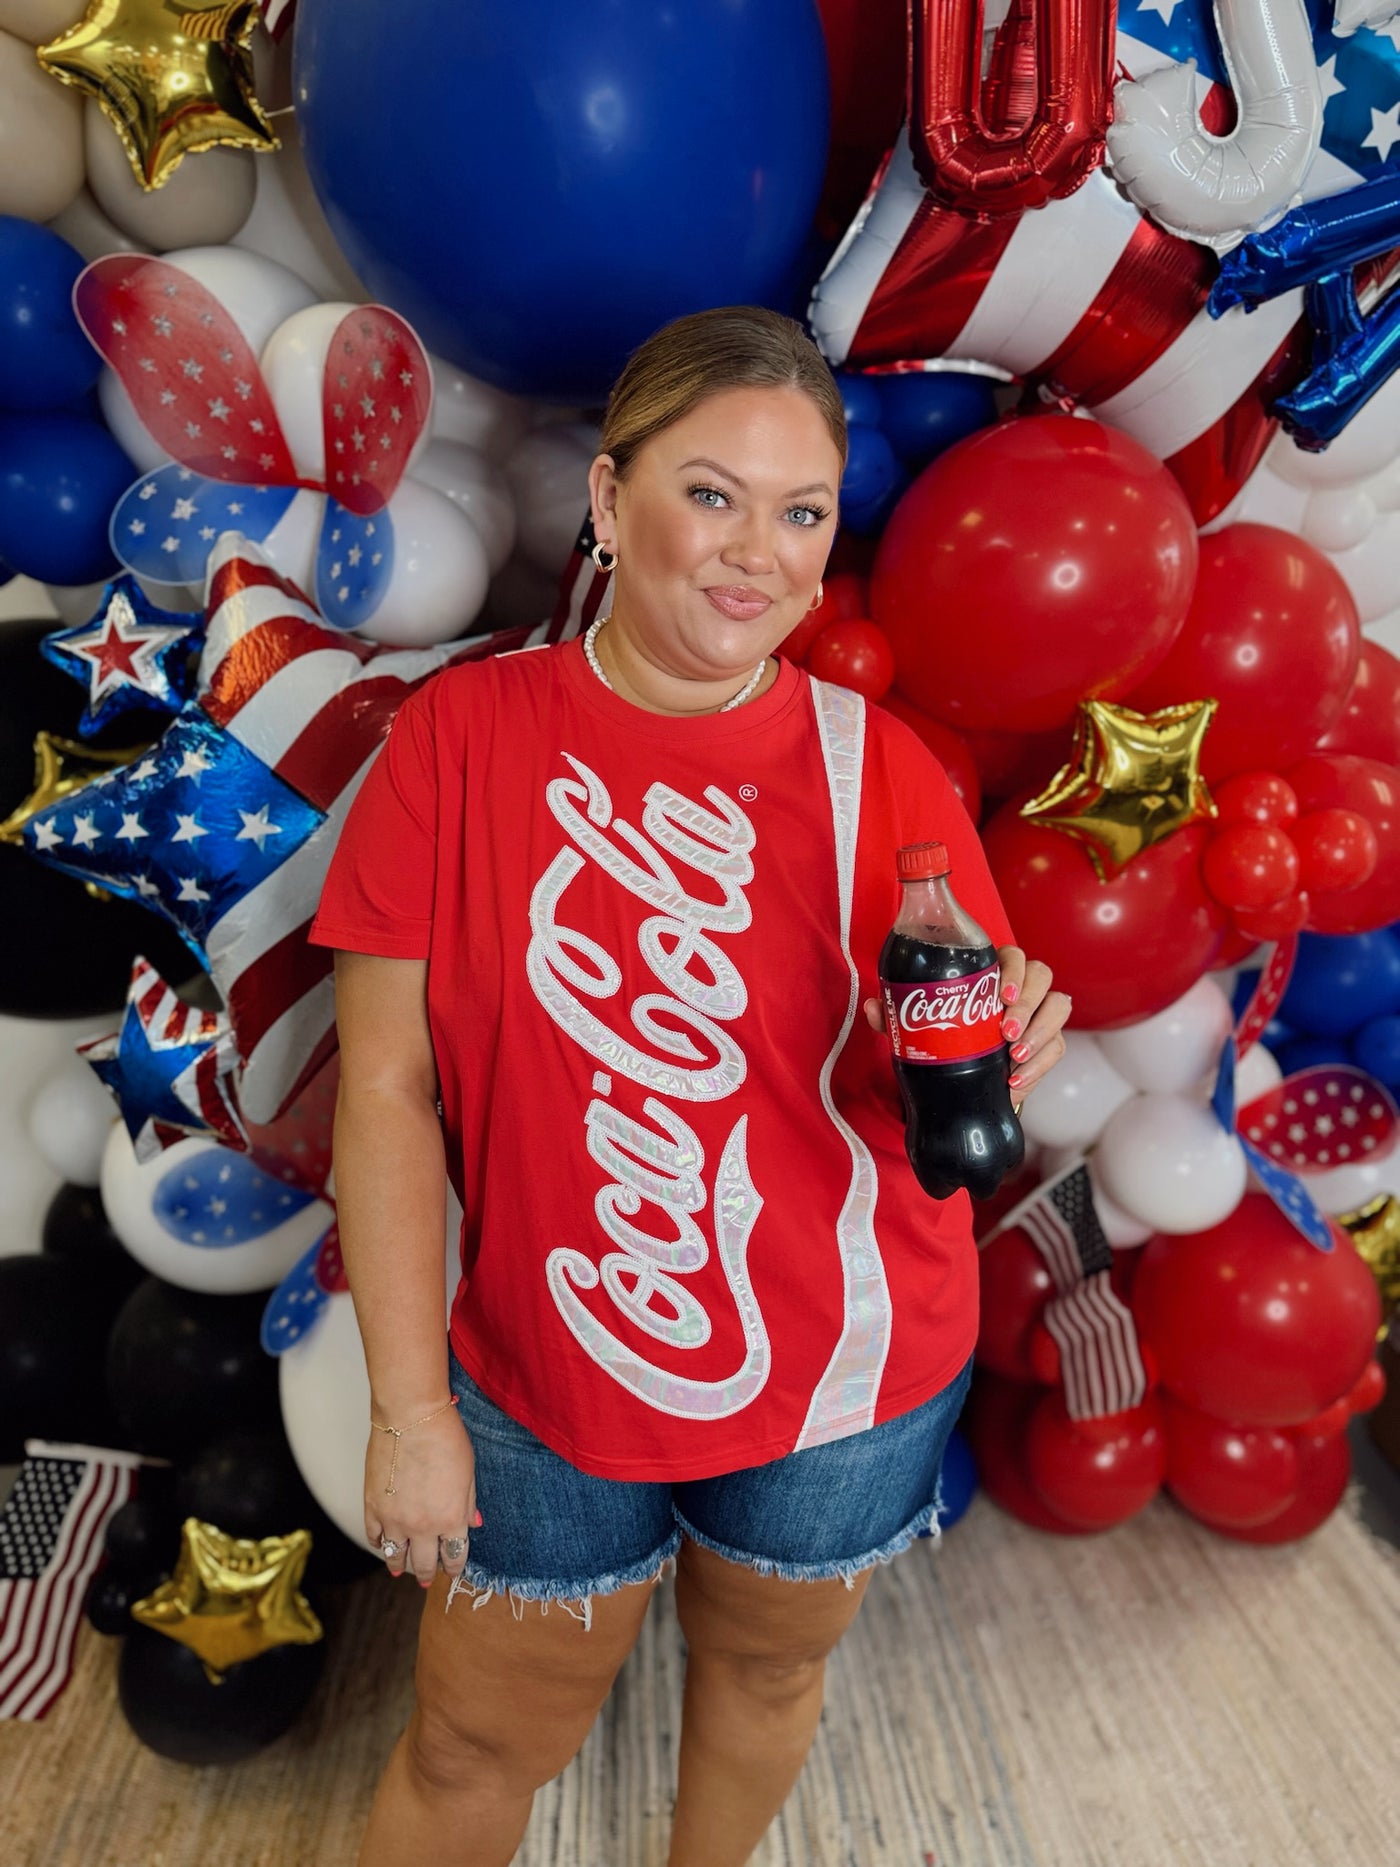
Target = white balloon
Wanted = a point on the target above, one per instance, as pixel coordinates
(1120, 1228)
(477, 487)
(1169, 1164)
(439, 577)
(1366, 446)
(74, 602)
(291, 544)
(36, 21)
(1345, 1189)
(1256, 1074)
(135, 1192)
(293, 365)
(257, 293)
(206, 200)
(1071, 1106)
(41, 136)
(84, 226)
(70, 1118)
(1174, 1050)
(287, 223)
(324, 1387)
(130, 432)
(1339, 519)
(548, 474)
(476, 413)
(1369, 568)
(30, 1050)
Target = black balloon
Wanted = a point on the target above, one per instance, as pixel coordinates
(143, 1539)
(76, 1230)
(174, 1709)
(183, 1366)
(63, 954)
(250, 1485)
(54, 1320)
(109, 1599)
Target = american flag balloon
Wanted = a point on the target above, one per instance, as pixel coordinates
(1089, 300)
(197, 386)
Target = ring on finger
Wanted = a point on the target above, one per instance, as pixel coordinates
(452, 1547)
(388, 1549)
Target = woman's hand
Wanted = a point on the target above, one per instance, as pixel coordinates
(1032, 1024)
(434, 1495)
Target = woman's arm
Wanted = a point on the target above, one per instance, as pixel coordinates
(390, 1189)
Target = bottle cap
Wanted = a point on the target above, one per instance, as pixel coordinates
(922, 862)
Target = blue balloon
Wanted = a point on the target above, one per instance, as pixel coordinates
(872, 482)
(60, 477)
(923, 412)
(537, 187)
(1376, 1048)
(1306, 1053)
(45, 360)
(1340, 982)
(959, 1480)
(860, 398)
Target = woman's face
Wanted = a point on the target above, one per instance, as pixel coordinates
(722, 529)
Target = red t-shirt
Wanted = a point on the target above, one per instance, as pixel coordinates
(692, 1240)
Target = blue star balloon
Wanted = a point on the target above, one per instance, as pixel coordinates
(190, 829)
(130, 656)
(165, 524)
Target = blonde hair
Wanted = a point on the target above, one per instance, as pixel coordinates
(730, 347)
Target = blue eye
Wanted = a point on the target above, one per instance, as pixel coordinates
(815, 515)
(700, 487)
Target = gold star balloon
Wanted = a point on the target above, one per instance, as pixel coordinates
(1133, 779)
(1375, 1231)
(230, 1598)
(171, 78)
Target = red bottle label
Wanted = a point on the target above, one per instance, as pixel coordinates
(944, 1021)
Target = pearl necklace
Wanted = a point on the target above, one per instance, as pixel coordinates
(592, 657)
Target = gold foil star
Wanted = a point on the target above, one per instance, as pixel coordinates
(171, 78)
(1375, 1231)
(61, 766)
(1132, 780)
(231, 1599)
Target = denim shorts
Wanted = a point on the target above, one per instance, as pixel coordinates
(555, 1533)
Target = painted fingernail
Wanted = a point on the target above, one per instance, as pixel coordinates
(423, 1584)
(479, 1520)
(1011, 1029)
(1010, 993)
(1013, 1081)
(1020, 1052)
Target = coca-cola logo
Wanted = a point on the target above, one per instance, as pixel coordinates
(969, 1002)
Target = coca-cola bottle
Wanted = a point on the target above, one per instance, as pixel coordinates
(941, 985)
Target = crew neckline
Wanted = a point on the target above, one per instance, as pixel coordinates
(761, 711)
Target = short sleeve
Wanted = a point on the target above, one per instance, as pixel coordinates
(378, 892)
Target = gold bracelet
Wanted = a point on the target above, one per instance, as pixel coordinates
(399, 1431)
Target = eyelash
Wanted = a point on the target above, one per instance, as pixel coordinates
(818, 512)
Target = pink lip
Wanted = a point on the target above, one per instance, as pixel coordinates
(739, 600)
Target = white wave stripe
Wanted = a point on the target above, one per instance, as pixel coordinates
(852, 276)
(284, 1049)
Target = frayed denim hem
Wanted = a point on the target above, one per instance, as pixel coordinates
(926, 1524)
(481, 1585)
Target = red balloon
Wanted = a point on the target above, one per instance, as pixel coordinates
(1227, 1474)
(1016, 1286)
(1235, 947)
(855, 654)
(1337, 850)
(843, 594)
(1009, 762)
(1247, 866)
(1324, 1469)
(1034, 565)
(1255, 797)
(1122, 949)
(1368, 725)
(867, 54)
(1277, 921)
(1338, 780)
(1249, 1322)
(946, 746)
(1369, 1391)
(1273, 635)
(1095, 1473)
(995, 1424)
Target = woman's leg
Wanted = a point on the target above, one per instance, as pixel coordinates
(503, 1705)
(753, 1696)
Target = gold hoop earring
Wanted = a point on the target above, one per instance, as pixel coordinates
(596, 552)
(816, 602)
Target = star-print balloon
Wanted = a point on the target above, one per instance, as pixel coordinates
(170, 1066)
(215, 1199)
(197, 386)
(294, 1305)
(130, 656)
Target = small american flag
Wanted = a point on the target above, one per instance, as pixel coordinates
(1092, 1327)
(51, 1538)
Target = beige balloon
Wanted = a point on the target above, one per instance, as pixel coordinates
(41, 136)
(84, 226)
(37, 21)
(204, 203)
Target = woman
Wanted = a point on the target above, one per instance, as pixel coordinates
(615, 903)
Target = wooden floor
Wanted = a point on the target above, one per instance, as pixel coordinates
(1154, 1698)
